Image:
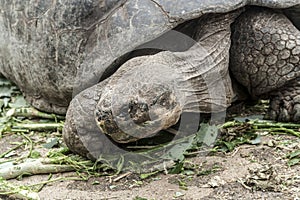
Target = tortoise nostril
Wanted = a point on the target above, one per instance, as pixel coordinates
(138, 111)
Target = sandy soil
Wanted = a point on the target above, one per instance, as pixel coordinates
(250, 172)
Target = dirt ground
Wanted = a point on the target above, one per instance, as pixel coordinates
(249, 172)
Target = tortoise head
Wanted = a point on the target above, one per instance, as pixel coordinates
(134, 108)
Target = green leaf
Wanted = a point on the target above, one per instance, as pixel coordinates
(178, 168)
(293, 161)
(177, 151)
(294, 154)
(6, 91)
(178, 194)
(19, 102)
(145, 176)
(229, 145)
(7, 88)
(256, 140)
(96, 183)
(53, 142)
(35, 154)
(4, 82)
(206, 135)
(5, 124)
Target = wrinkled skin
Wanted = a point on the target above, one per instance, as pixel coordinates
(74, 45)
(247, 38)
(265, 57)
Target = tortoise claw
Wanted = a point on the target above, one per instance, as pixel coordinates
(285, 103)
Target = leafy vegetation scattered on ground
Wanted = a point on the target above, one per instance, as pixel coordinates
(38, 148)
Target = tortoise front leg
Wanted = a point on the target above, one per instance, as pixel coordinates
(265, 58)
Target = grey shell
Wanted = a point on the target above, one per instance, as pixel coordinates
(54, 49)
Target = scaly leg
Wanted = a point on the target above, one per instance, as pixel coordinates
(265, 58)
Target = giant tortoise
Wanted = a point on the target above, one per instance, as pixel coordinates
(135, 67)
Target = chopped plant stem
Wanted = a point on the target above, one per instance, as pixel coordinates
(284, 130)
(42, 185)
(122, 176)
(57, 180)
(12, 149)
(32, 166)
(20, 130)
(17, 192)
(237, 132)
(274, 124)
(20, 120)
(257, 125)
(7, 161)
(38, 126)
(30, 143)
(30, 112)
